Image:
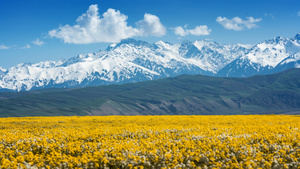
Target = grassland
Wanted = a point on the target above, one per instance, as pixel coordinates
(252, 141)
(182, 95)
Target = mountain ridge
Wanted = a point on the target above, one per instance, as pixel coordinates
(277, 93)
(135, 60)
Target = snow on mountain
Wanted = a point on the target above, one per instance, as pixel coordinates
(296, 38)
(292, 61)
(215, 56)
(2, 70)
(128, 61)
(133, 60)
(269, 53)
(262, 58)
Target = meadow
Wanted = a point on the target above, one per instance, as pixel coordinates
(249, 141)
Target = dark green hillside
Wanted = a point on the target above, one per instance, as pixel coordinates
(186, 94)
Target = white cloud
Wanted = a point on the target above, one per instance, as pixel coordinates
(298, 13)
(151, 26)
(26, 47)
(38, 42)
(180, 31)
(237, 23)
(199, 30)
(4, 47)
(112, 27)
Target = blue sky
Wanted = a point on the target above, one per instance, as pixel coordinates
(35, 30)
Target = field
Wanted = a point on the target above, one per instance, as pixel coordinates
(252, 141)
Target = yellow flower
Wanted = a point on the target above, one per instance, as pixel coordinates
(253, 141)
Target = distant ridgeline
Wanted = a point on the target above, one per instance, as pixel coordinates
(134, 61)
(185, 94)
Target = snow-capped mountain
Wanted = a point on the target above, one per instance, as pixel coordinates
(132, 61)
(128, 61)
(263, 57)
(2, 70)
(292, 61)
(215, 56)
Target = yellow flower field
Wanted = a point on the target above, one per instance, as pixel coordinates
(252, 141)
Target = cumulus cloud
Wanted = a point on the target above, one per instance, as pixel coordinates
(38, 42)
(151, 26)
(238, 24)
(4, 47)
(199, 30)
(180, 31)
(111, 27)
(26, 47)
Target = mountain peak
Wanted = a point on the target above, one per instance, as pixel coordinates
(275, 40)
(2, 70)
(23, 64)
(162, 43)
(133, 42)
(186, 43)
(246, 46)
(279, 38)
(129, 41)
(205, 43)
(297, 36)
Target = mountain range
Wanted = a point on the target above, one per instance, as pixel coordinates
(277, 93)
(134, 60)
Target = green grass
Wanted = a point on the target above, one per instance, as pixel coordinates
(185, 94)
